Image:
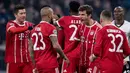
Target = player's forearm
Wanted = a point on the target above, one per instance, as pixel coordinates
(32, 58)
(60, 51)
(127, 58)
(18, 30)
(31, 52)
(92, 57)
(57, 46)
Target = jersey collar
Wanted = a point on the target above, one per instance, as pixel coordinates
(44, 22)
(20, 24)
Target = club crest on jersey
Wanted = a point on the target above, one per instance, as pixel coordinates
(82, 38)
(55, 32)
(92, 33)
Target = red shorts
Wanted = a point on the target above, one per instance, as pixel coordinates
(47, 70)
(94, 66)
(19, 67)
(82, 69)
(73, 67)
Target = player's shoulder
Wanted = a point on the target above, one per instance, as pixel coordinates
(126, 22)
(69, 17)
(11, 23)
(75, 16)
(46, 24)
(63, 18)
(28, 22)
(98, 24)
(107, 27)
(112, 27)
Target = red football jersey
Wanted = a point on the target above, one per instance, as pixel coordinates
(87, 34)
(111, 46)
(44, 53)
(69, 24)
(17, 44)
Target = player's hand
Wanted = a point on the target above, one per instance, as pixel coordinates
(58, 56)
(30, 28)
(125, 62)
(92, 57)
(76, 39)
(67, 61)
(35, 70)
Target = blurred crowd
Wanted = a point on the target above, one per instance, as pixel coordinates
(59, 6)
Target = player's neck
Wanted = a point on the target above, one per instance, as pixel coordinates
(106, 23)
(119, 22)
(73, 13)
(17, 21)
(45, 20)
(90, 22)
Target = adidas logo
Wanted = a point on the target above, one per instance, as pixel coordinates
(65, 70)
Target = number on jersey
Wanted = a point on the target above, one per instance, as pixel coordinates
(116, 48)
(74, 32)
(36, 35)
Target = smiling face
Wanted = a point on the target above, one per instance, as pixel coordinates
(21, 15)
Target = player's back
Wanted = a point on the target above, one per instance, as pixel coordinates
(70, 27)
(44, 52)
(114, 47)
(125, 27)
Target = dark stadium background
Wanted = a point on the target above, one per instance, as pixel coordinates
(59, 6)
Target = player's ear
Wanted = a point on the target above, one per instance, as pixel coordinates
(15, 14)
(101, 20)
(49, 16)
(90, 16)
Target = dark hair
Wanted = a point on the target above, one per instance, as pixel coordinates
(107, 14)
(18, 7)
(74, 5)
(46, 6)
(86, 8)
(58, 15)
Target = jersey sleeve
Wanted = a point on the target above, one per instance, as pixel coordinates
(52, 31)
(61, 22)
(126, 48)
(98, 43)
(11, 28)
